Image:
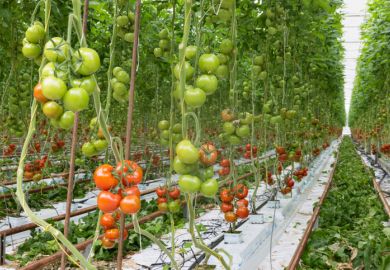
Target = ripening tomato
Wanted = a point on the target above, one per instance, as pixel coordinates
(280, 150)
(226, 196)
(107, 221)
(224, 171)
(226, 207)
(38, 95)
(241, 191)
(108, 202)
(242, 212)
(230, 217)
(130, 204)
(174, 193)
(103, 177)
(174, 206)
(130, 171)
(52, 109)
(208, 154)
(107, 243)
(86, 61)
(227, 115)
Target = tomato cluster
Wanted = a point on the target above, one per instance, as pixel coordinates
(385, 148)
(57, 77)
(120, 84)
(34, 170)
(57, 144)
(126, 199)
(9, 150)
(32, 47)
(225, 170)
(109, 221)
(125, 23)
(234, 203)
(293, 153)
(97, 144)
(235, 130)
(164, 44)
(165, 130)
(250, 151)
(299, 174)
(168, 200)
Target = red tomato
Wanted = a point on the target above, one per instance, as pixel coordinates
(130, 171)
(108, 202)
(226, 207)
(226, 196)
(130, 204)
(248, 147)
(103, 177)
(107, 221)
(241, 191)
(161, 191)
(242, 212)
(242, 202)
(133, 190)
(174, 193)
(225, 163)
(162, 200)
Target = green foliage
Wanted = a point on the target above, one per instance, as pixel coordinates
(350, 222)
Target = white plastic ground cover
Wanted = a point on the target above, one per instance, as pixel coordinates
(13, 241)
(254, 235)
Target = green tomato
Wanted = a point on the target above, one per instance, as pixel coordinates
(234, 140)
(223, 59)
(116, 70)
(88, 150)
(259, 60)
(243, 131)
(35, 33)
(129, 37)
(189, 183)
(227, 4)
(50, 69)
(76, 99)
(163, 125)
(247, 118)
(174, 206)
(208, 63)
(263, 75)
(190, 52)
(207, 173)
(276, 120)
(123, 76)
(31, 50)
(55, 123)
(52, 109)
(224, 15)
(228, 128)
(87, 83)
(100, 145)
(66, 120)
(189, 70)
(208, 83)
(226, 46)
(164, 44)
(222, 72)
(209, 188)
(194, 97)
(164, 142)
(163, 34)
(176, 137)
(120, 89)
(131, 16)
(119, 97)
(86, 61)
(158, 52)
(187, 152)
(165, 134)
(53, 88)
(93, 123)
(290, 114)
(56, 50)
(122, 20)
(177, 128)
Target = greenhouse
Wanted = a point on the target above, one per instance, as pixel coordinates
(195, 134)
